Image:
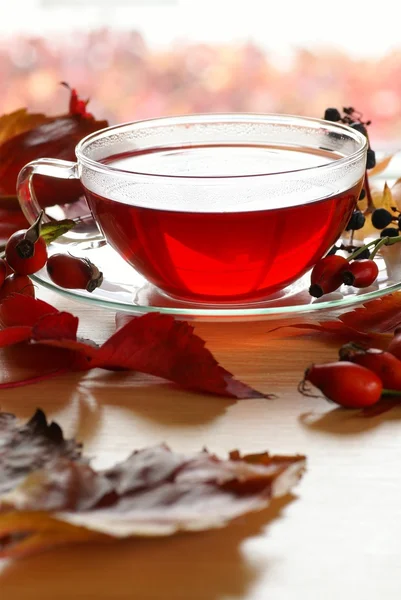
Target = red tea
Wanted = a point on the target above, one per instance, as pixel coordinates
(227, 252)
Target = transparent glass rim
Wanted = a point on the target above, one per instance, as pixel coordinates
(213, 312)
(221, 118)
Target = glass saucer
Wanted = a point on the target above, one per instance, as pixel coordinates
(124, 289)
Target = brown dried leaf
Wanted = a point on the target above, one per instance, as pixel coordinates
(396, 193)
(25, 137)
(154, 492)
(381, 166)
(30, 447)
(382, 198)
(24, 533)
(18, 122)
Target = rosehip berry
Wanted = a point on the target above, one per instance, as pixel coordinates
(395, 344)
(17, 284)
(381, 218)
(384, 364)
(326, 275)
(24, 256)
(71, 272)
(345, 383)
(361, 273)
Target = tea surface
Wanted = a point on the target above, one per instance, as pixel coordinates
(224, 254)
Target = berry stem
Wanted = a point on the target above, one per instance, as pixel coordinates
(383, 242)
(363, 248)
(386, 392)
(377, 244)
(370, 204)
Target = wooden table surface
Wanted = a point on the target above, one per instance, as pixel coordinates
(337, 537)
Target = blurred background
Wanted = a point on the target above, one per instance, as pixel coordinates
(143, 58)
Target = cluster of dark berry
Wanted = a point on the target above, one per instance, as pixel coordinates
(353, 118)
(390, 224)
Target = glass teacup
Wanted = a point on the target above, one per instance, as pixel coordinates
(216, 208)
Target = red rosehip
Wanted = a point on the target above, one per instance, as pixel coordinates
(361, 273)
(326, 275)
(345, 383)
(25, 256)
(71, 272)
(17, 284)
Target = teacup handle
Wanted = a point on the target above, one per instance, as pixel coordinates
(86, 233)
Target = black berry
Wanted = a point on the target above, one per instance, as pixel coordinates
(381, 218)
(362, 195)
(389, 232)
(370, 159)
(332, 114)
(359, 127)
(357, 221)
(332, 250)
(363, 255)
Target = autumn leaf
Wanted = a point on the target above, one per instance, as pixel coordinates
(25, 137)
(396, 193)
(30, 447)
(374, 319)
(381, 166)
(382, 198)
(19, 122)
(153, 343)
(154, 492)
(19, 309)
(11, 219)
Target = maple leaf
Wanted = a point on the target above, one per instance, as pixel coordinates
(154, 492)
(153, 343)
(374, 319)
(25, 137)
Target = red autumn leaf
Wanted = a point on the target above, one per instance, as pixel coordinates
(57, 326)
(154, 344)
(19, 309)
(11, 219)
(49, 494)
(54, 137)
(375, 319)
(377, 316)
(160, 345)
(15, 335)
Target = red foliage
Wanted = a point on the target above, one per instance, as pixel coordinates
(153, 343)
